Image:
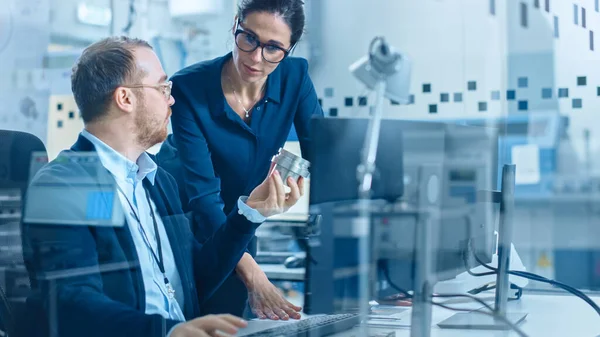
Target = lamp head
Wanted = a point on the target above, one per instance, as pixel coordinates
(385, 64)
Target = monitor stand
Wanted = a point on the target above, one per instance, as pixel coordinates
(477, 320)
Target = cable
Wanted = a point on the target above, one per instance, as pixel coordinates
(483, 288)
(492, 312)
(465, 254)
(480, 274)
(468, 267)
(523, 274)
(542, 279)
(386, 273)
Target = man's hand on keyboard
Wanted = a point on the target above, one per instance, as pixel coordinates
(266, 301)
(210, 325)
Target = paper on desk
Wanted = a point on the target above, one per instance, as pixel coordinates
(382, 323)
(527, 160)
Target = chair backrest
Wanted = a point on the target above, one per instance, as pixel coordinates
(16, 150)
(8, 323)
(15, 157)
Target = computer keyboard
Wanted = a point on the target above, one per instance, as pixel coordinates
(271, 258)
(312, 327)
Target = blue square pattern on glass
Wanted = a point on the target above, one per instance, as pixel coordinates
(511, 95)
(458, 96)
(99, 205)
(426, 88)
(482, 106)
(581, 80)
(547, 93)
(523, 105)
(495, 95)
(472, 85)
(563, 92)
(432, 108)
(523, 82)
(328, 92)
(524, 15)
(444, 97)
(577, 103)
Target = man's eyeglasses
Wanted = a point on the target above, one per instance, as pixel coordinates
(164, 88)
(248, 42)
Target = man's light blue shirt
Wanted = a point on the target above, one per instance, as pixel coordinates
(129, 177)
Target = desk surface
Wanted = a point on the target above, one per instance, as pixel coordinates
(548, 316)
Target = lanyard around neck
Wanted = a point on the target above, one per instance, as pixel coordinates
(158, 259)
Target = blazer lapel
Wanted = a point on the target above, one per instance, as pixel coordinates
(123, 235)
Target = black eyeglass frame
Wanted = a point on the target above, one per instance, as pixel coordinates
(239, 30)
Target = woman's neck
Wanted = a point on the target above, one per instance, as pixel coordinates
(242, 88)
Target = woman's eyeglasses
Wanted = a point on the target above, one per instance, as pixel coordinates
(248, 42)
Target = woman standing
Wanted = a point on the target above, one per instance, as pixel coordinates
(231, 116)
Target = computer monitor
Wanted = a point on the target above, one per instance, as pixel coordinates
(89, 189)
(463, 159)
(336, 149)
(441, 167)
(335, 154)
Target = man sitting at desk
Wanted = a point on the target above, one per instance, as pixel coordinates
(124, 98)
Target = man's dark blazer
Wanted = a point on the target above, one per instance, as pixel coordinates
(104, 292)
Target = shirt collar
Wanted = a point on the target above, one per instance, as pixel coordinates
(121, 167)
(274, 85)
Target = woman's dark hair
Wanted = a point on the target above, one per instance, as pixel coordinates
(292, 12)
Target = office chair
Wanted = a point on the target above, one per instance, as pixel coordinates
(7, 320)
(15, 157)
(16, 149)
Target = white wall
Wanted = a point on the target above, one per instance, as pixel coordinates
(23, 40)
(450, 43)
(453, 42)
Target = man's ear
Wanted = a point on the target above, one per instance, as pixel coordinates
(124, 99)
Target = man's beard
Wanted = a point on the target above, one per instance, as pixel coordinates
(150, 131)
